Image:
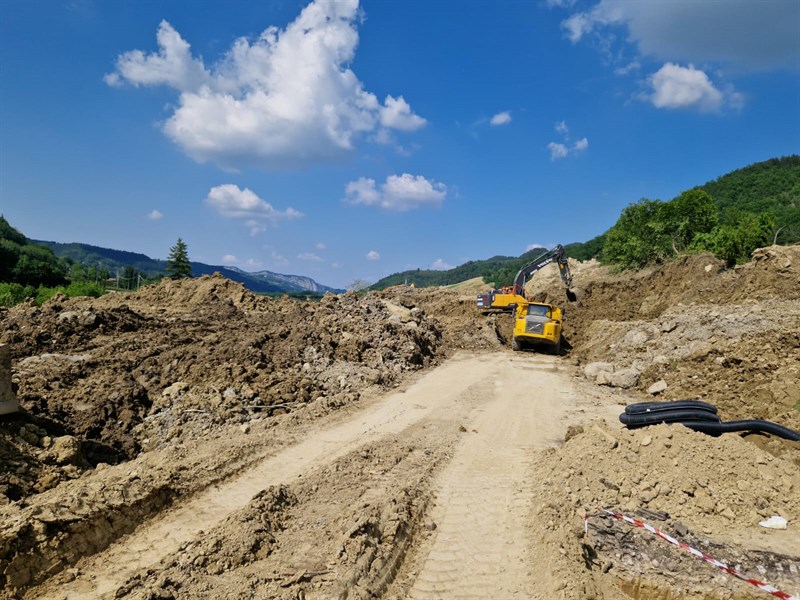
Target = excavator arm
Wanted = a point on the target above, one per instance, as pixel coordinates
(508, 298)
(556, 254)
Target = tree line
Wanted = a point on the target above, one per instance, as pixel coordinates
(30, 270)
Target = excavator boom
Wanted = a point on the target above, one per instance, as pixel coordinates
(508, 298)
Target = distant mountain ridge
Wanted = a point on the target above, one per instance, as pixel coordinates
(264, 282)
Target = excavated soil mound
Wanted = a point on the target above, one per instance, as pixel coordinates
(99, 380)
(692, 329)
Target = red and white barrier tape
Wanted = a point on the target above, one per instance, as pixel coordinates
(637, 523)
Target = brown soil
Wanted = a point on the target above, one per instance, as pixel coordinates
(193, 440)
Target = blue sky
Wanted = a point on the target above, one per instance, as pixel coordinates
(348, 141)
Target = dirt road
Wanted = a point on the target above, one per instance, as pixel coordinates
(490, 412)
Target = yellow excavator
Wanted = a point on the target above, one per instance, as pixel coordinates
(535, 323)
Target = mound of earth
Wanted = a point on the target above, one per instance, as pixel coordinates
(99, 380)
(692, 329)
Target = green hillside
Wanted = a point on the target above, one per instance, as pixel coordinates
(772, 186)
(497, 269)
(25, 262)
(729, 216)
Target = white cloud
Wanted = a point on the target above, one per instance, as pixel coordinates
(320, 246)
(230, 201)
(173, 65)
(253, 263)
(255, 227)
(562, 150)
(399, 192)
(557, 150)
(396, 114)
(278, 259)
(229, 259)
(310, 256)
(155, 215)
(440, 265)
(502, 118)
(530, 247)
(744, 33)
(684, 87)
(372, 255)
(286, 99)
(627, 69)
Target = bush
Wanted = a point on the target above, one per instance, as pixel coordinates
(85, 288)
(14, 293)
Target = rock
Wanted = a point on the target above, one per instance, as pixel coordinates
(592, 370)
(647, 440)
(625, 378)
(67, 450)
(668, 326)
(635, 338)
(658, 387)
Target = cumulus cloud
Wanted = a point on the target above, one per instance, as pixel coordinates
(399, 192)
(232, 202)
(674, 86)
(557, 150)
(229, 259)
(440, 265)
(285, 99)
(563, 149)
(752, 35)
(503, 118)
(310, 256)
(253, 263)
(396, 114)
(320, 246)
(372, 255)
(155, 215)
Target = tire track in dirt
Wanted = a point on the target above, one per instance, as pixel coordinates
(440, 394)
(481, 547)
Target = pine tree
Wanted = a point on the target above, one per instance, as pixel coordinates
(178, 265)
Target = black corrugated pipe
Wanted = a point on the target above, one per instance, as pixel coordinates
(699, 416)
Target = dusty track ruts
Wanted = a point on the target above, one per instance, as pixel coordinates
(506, 398)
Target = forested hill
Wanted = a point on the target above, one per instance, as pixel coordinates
(754, 205)
(497, 266)
(772, 186)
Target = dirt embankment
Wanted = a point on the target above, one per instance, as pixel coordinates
(693, 329)
(103, 379)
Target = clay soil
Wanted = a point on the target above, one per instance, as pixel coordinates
(193, 440)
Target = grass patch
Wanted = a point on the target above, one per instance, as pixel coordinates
(12, 294)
